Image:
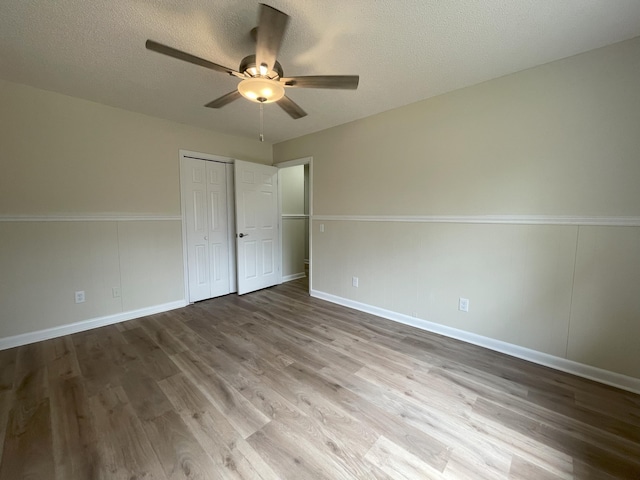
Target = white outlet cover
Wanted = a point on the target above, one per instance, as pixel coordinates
(79, 296)
(463, 304)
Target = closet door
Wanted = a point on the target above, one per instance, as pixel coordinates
(218, 229)
(204, 193)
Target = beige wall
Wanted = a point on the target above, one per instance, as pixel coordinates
(517, 277)
(66, 157)
(560, 139)
(605, 316)
(44, 263)
(61, 154)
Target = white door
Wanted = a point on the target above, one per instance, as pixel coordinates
(256, 188)
(204, 187)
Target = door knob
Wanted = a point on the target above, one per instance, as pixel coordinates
(243, 235)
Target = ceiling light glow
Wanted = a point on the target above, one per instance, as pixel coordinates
(261, 90)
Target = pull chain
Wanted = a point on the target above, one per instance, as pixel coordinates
(261, 137)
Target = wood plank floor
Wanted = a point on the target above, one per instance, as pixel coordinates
(278, 385)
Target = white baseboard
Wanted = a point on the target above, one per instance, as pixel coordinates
(31, 337)
(569, 366)
(295, 276)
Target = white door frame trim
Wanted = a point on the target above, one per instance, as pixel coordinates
(295, 163)
(212, 158)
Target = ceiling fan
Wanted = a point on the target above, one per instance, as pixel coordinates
(263, 79)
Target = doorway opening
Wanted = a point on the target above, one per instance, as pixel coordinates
(295, 181)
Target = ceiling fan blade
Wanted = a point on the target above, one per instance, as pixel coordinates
(291, 107)
(187, 57)
(271, 27)
(223, 100)
(341, 82)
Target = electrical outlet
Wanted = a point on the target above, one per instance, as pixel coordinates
(116, 292)
(80, 296)
(463, 304)
(322, 228)
(354, 281)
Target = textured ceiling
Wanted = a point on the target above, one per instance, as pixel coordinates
(404, 51)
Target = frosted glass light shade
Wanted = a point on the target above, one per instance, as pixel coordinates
(261, 90)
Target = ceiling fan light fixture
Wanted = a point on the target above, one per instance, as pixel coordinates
(261, 90)
(262, 77)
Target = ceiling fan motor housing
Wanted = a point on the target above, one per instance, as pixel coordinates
(249, 67)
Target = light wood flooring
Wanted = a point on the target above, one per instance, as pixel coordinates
(276, 384)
